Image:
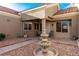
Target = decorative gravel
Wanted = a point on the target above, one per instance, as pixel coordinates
(27, 50)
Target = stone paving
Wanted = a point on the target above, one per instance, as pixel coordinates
(15, 46)
(78, 42)
(65, 41)
(7, 42)
(27, 50)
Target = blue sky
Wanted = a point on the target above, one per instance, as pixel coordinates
(63, 5)
(23, 6)
(20, 6)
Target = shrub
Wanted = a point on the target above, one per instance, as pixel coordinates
(2, 36)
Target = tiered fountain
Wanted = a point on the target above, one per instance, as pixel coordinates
(44, 49)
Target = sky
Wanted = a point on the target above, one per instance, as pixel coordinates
(23, 6)
(63, 5)
(20, 6)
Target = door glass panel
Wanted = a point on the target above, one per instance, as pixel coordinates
(58, 26)
(30, 27)
(65, 26)
(25, 27)
(36, 25)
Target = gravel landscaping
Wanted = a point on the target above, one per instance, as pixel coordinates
(27, 50)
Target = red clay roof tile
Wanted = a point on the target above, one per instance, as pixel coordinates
(67, 10)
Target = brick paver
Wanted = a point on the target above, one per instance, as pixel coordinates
(78, 42)
(12, 41)
(63, 49)
(15, 46)
(65, 41)
(7, 42)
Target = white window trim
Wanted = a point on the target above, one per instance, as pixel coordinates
(28, 26)
(61, 28)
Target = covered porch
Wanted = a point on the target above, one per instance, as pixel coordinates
(32, 28)
(36, 27)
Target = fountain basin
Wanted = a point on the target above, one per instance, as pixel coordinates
(51, 52)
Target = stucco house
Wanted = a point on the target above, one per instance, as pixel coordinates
(45, 18)
(60, 23)
(9, 22)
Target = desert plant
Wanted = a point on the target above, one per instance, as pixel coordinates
(2, 36)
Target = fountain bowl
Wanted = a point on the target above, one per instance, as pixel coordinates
(51, 52)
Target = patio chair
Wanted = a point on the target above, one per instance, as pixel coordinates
(51, 34)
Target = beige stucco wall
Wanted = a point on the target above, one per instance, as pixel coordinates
(50, 26)
(77, 24)
(73, 28)
(10, 24)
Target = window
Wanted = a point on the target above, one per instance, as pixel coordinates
(58, 26)
(27, 26)
(36, 26)
(62, 26)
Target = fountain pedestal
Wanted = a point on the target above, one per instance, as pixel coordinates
(44, 49)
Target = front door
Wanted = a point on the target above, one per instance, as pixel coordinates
(51, 33)
(37, 28)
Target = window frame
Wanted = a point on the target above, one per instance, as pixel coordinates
(29, 26)
(36, 26)
(61, 21)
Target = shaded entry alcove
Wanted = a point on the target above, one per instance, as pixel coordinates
(32, 28)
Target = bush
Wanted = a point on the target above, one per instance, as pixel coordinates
(2, 36)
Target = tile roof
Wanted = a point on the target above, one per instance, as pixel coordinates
(5, 9)
(67, 10)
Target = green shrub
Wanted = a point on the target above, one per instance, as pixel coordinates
(2, 36)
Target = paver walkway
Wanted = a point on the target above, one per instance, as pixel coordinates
(11, 41)
(65, 41)
(78, 42)
(64, 48)
(15, 46)
(27, 50)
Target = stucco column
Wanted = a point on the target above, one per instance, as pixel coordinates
(44, 43)
(44, 34)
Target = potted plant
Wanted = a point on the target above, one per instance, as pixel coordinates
(2, 36)
(75, 37)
